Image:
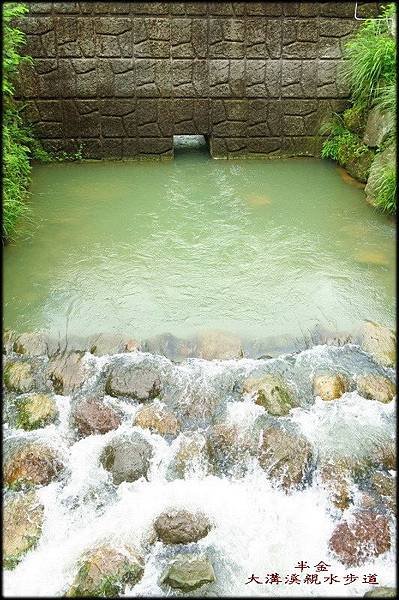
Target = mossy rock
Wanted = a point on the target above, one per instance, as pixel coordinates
(31, 463)
(354, 119)
(188, 572)
(18, 377)
(381, 592)
(105, 571)
(272, 393)
(35, 411)
(359, 166)
(22, 526)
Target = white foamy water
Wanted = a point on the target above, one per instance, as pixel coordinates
(257, 528)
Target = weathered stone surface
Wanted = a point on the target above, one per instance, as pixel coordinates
(272, 393)
(35, 411)
(379, 124)
(188, 572)
(157, 418)
(286, 457)
(31, 463)
(67, 372)
(212, 345)
(183, 51)
(380, 342)
(330, 386)
(22, 525)
(103, 344)
(105, 571)
(376, 387)
(138, 381)
(91, 416)
(366, 535)
(127, 458)
(181, 526)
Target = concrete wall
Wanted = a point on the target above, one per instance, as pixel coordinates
(122, 78)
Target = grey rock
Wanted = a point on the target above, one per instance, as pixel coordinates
(127, 458)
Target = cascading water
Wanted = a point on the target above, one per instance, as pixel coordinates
(258, 529)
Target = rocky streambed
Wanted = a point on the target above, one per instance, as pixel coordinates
(128, 473)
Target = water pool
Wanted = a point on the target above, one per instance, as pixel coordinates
(254, 248)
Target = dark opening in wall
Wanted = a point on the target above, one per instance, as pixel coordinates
(183, 144)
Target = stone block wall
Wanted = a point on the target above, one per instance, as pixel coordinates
(122, 78)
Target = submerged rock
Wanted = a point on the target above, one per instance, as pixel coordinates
(19, 377)
(330, 386)
(105, 571)
(363, 537)
(67, 372)
(35, 411)
(91, 416)
(31, 344)
(191, 456)
(336, 479)
(31, 463)
(188, 572)
(138, 381)
(286, 457)
(229, 447)
(376, 387)
(385, 487)
(381, 592)
(112, 343)
(174, 348)
(380, 342)
(22, 526)
(218, 345)
(127, 458)
(181, 526)
(272, 393)
(157, 418)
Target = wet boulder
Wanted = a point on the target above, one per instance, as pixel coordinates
(285, 456)
(379, 124)
(272, 393)
(376, 387)
(67, 372)
(34, 411)
(8, 340)
(188, 572)
(138, 381)
(105, 571)
(380, 342)
(381, 592)
(384, 486)
(190, 457)
(336, 479)
(92, 416)
(181, 526)
(19, 377)
(365, 535)
(229, 448)
(31, 463)
(330, 386)
(156, 418)
(218, 345)
(383, 454)
(112, 343)
(22, 526)
(127, 458)
(31, 344)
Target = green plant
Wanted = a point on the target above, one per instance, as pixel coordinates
(370, 63)
(15, 137)
(385, 185)
(342, 145)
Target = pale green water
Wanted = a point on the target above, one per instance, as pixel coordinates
(257, 248)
